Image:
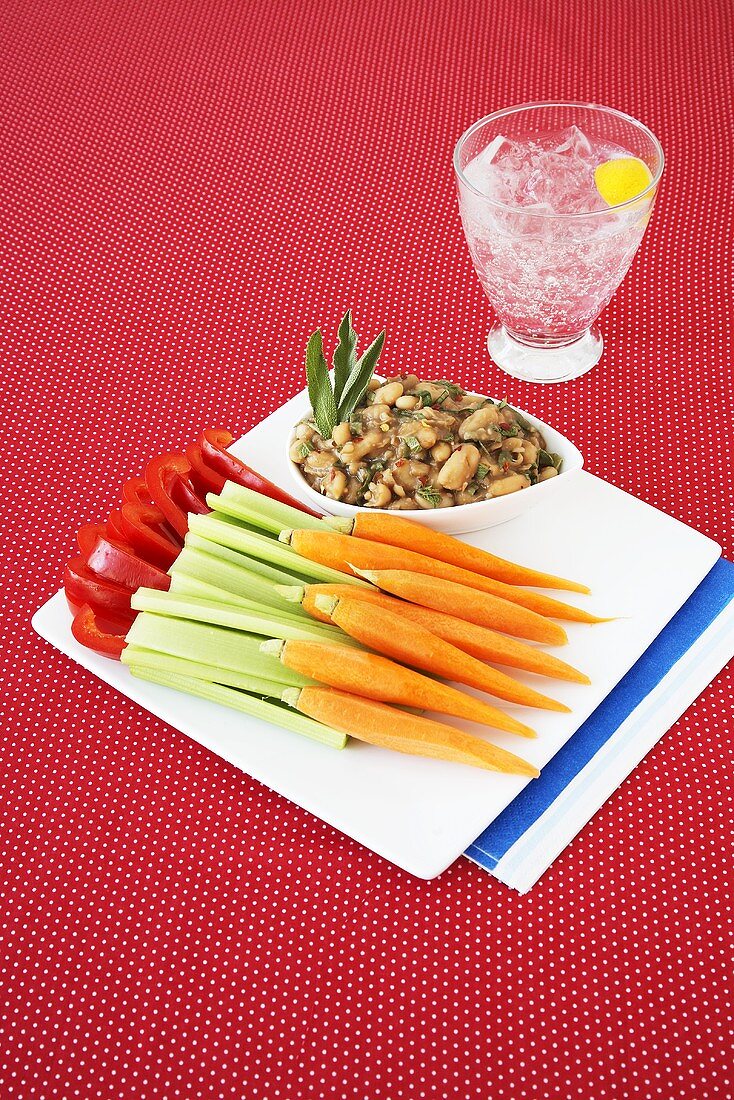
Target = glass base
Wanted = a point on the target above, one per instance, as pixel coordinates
(535, 363)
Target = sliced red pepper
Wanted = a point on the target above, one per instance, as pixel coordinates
(202, 477)
(214, 443)
(117, 562)
(106, 620)
(86, 630)
(182, 493)
(83, 586)
(136, 491)
(114, 524)
(156, 474)
(87, 535)
(144, 531)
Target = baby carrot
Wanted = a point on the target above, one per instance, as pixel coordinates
(406, 533)
(441, 595)
(347, 554)
(343, 552)
(395, 637)
(374, 677)
(393, 729)
(485, 644)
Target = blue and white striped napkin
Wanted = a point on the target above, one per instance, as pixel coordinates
(520, 845)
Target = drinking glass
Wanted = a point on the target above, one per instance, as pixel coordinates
(548, 276)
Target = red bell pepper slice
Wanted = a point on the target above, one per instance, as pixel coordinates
(183, 495)
(136, 491)
(106, 620)
(87, 536)
(83, 586)
(214, 443)
(157, 473)
(86, 630)
(142, 526)
(114, 525)
(203, 478)
(118, 562)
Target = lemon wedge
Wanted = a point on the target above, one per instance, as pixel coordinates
(622, 179)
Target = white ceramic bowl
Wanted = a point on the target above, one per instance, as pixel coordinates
(461, 518)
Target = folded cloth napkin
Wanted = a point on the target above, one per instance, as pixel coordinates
(520, 845)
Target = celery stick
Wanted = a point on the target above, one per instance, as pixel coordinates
(248, 704)
(183, 585)
(222, 614)
(244, 681)
(265, 506)
(275, 553)
(238, 579)
(204, 644)
(292, 593)
(224, 553)
(253, 508)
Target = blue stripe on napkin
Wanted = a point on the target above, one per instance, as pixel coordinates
(711, 597)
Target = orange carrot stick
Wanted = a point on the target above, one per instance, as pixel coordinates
(441, 595)
(347, 554)
(377, 678)
(321, 546)
(406, 533)
(480, 642)
(395, 637)
(393, 729)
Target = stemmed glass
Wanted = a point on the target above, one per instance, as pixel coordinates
(549, 275)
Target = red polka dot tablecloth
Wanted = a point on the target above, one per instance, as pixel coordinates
(188, 188)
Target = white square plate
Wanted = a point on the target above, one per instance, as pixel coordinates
(421, 814)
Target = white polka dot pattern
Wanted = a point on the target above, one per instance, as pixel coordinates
(188, 189)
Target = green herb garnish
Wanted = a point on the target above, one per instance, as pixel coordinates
(429, 494)
(452, 389)
(319, 386)
(503, 403)
(345, 355)
(524, 424)
(511, 431)
(504, 458)
(425, 397)
(547, 458)
(305, 450)
(412, 443)
(351, 376)
(482, 471)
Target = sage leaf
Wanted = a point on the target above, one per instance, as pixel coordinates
(359, 379)
(548, 458)
(431, 496)
(524, 424)
(344, 356)
(319, 386)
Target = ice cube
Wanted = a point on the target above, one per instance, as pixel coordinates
(575, 141)
(480, 171)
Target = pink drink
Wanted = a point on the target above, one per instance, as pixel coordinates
(547, 269)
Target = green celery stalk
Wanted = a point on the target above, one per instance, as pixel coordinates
(238, 579)
(164, 662)
(274, 553)
(274, 713)
(260, 511)
(204, 644)
(183, 585)
(289, 517)
(254, 565)
(222, 614)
